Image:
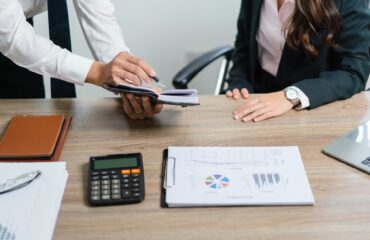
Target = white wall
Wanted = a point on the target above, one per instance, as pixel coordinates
(166, 33)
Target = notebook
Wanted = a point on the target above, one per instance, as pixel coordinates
(30, 137)
(239, 176)
(181, 97)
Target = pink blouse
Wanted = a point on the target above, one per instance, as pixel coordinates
(271, 38)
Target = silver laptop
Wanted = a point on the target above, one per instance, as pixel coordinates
(353, 148)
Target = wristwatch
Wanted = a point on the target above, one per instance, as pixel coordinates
(291, 94)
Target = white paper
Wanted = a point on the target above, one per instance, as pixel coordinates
(216, 176)
(31, 212)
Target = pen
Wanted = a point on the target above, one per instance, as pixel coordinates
(158, 82)
(19, 181)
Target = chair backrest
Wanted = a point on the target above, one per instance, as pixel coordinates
(186, 75)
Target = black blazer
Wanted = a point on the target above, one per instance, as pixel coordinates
(336, 74)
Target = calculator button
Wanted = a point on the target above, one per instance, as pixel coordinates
(113, 172)
(105, 197)
(95, 173)
(126, 180)
(105, 182)
(125, 176)
(136, 195)
(126, 194)
(134, 190)
(105, 187)
(135, 185)
(126, 185)
(95, 178)
(105, 192)
(94, 193)
(115, 176)
(105, 177)
(95, 198)
(116, 181)
(135, 171)
(116, 191)
(95, 183)
(135, 175)
(104, 173)
(135, 180)
(125, 171)
(95, 188)
(116, 196)
(116, 186)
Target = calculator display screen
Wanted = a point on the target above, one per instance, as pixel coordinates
(116, 163)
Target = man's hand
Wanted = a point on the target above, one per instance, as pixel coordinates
(124, 68)
(236, 94)
(263, 107)
(139, 107)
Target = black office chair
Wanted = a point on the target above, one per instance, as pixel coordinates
(186, 75)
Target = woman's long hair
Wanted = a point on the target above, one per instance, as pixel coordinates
(309, 17)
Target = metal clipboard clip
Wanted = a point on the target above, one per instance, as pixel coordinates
(169, 173)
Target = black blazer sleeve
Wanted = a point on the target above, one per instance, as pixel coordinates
(238, 73)
(353, 56)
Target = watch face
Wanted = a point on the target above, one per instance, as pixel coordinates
(291, 94)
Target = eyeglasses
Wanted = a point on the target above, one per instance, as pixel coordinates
(19, 182)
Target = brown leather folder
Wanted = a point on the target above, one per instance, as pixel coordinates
(34, 138)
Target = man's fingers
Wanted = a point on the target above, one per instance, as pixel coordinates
(122, 76)
(127, 107)
(148, 107)
(139, 62)
(134, 103)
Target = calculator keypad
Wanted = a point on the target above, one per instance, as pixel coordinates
(116, 185)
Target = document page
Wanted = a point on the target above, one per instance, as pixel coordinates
(222, 176)
(31, 212)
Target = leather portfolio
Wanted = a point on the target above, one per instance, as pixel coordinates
(34, 138)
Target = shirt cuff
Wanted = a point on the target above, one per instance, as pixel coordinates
(75, 68)
(305, 102)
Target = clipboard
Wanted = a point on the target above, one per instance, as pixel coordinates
(163, 203)
(285, 183)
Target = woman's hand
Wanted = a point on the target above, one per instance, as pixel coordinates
(124, 68)
(263, 107)
(139, 107)
(236, 94)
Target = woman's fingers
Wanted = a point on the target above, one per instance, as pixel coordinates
(236, 94)
(229, 94)
(245, 93)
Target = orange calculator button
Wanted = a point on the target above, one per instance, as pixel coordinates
(135, 171)
(125, 171)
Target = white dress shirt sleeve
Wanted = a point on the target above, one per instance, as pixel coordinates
(20, 43)
(100, 27)
(305, 101)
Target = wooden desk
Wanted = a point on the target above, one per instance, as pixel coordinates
(342, 193)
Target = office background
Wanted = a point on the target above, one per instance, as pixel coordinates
(166, 33)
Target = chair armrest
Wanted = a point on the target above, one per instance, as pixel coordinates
(185, 75)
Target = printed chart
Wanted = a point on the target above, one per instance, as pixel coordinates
(217, 181)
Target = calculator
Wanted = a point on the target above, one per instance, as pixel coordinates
(116, 179)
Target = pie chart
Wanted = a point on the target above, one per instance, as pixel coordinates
(217, 181)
